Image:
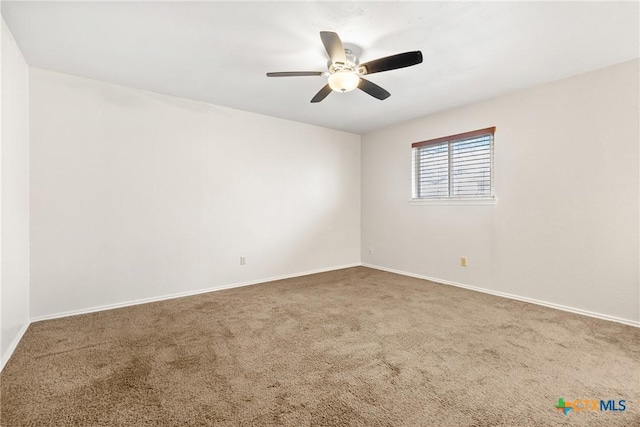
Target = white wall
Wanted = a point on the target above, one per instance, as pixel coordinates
(14, 191)
(138, 195)
(565, 228)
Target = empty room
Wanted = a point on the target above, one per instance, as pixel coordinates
(320, 213)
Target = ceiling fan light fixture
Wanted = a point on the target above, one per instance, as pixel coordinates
(344, 81)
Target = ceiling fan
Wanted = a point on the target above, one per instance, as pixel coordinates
(345, 73)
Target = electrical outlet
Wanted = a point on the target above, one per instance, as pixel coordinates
(463, 261)
(242, 260)
(370, 251)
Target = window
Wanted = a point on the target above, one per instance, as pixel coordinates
(454, 167)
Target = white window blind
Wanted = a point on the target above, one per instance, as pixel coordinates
(456, 166)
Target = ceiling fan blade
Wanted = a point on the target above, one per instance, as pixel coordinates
(322, 94)
(393, 62)
(373, 89)
(295, 74)
(333, 45)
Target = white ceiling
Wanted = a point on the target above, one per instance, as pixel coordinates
(219, 52)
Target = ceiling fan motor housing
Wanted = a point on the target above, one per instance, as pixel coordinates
(350, 65)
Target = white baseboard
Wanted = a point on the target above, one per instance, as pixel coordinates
(12, 347)
(15, 342)
(184, 294)
(511, 296)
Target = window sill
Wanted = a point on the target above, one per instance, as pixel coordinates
(446, 201)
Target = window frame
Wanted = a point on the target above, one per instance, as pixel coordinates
(450, 140)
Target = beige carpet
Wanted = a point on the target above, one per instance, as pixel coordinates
(354, 347)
